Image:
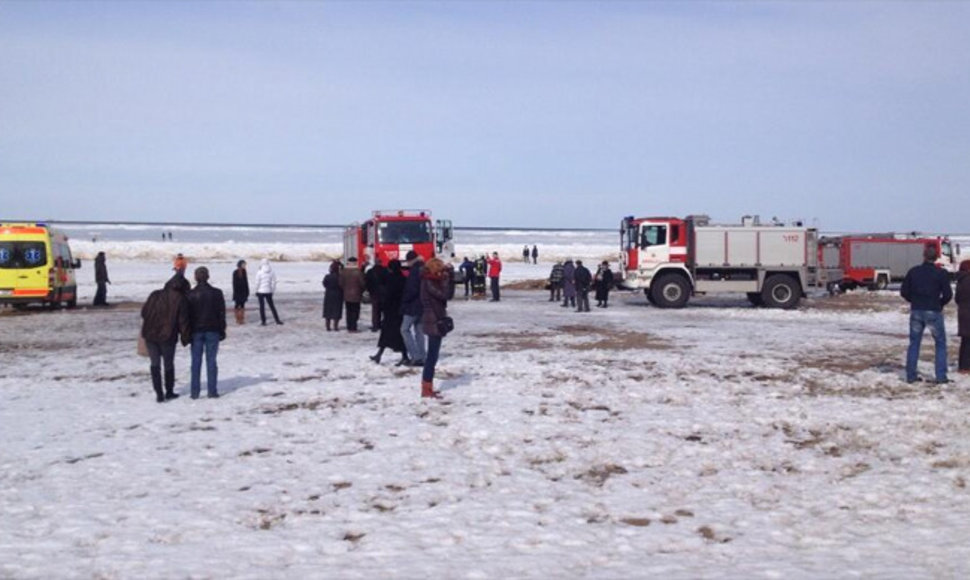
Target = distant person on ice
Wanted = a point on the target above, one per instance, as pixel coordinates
(265, 287)
(333, 297)
(555, 282)
(434, 298)
(411, 330)
(525, 254)
(583, 279)
(391, 336)
(207, 314)
(101, 279)
(927, 289)
(165, 319)
(352, 283)
(240, 291)
(494, 271)
(963, 316)
(535, 254)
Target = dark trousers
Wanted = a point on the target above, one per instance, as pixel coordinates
(375, 313)
(162, 353)
(495, 291)
(582, 301)
(353, 315)
(964, 360)
(555, 293)
(263, 299)
(468, 285)
(101, 295)
(431, 358)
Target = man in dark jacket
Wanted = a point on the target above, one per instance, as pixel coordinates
(376, 278)
(165, 318)
(555, 282)
(411, 310)
(927, 289)
(101, 279)
(583, 279)
(468, 271)
(207, 313)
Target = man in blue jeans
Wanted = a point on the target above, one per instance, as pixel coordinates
(207, 315)
(927, 289)
(411, 310)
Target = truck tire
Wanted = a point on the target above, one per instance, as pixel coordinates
(781, 291)
(881, 283)
(755, 299)
(670, 291)
(646, 292)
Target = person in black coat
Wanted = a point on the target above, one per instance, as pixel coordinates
(240, 291)
(411, 329)
(604, 283)
(374, 281)
(390, 336)
(962, 299)
(207, 314)
(468, 271)
(333, 297)
(101, 279)
(583, 279)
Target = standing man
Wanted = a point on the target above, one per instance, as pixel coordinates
(207, 314)
(583, 279)
(525, 253)
(352, 284)
(927, 289)
(376, 279)
(494, 271)
(555, 282)
(411, 310)
(101, 279)
(535, 254)
(165, 317)
(468, 271)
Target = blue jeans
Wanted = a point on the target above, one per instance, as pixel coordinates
(918, 321)
(430, 361)
(210, 342)
(413, 342)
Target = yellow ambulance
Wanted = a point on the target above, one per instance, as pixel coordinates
(36, 266)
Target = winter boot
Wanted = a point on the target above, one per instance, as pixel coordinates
(157, 384)
(403, 362)
(240, 316)
(377, 357)
(170, 385)
(427, 390)
(328, 325)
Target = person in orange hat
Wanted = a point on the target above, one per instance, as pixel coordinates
(180, 264)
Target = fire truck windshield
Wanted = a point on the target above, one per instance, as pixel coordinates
(417, 232)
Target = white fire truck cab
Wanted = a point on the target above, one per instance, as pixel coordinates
(672, 259)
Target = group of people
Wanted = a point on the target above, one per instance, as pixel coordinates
(474, 273)
(408, 307)
(927, 288)
(572, 282)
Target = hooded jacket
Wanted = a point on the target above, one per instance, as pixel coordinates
(411, 298)
(165, 315)
(434, 298)
(265, 278)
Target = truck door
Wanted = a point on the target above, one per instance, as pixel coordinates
(654, 245)
(444, 236)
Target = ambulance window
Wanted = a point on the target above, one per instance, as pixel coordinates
(22, 255)
(653, 236)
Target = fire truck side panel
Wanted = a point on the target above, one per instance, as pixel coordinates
(896, 256)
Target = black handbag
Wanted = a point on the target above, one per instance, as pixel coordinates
(445, 325)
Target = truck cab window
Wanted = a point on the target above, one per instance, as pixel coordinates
(653, 236)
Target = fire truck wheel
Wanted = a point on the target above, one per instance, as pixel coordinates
(646, 292)
(670, 291)
(755, 299)
(781, 291)
(881, 283)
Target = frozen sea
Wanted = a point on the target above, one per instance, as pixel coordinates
(717, 441)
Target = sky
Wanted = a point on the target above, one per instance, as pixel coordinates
(850, 116)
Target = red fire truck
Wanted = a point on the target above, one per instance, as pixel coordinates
(390, 234)
(672, 259)
(873, 261)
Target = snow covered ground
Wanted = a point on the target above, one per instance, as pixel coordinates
(718, 441)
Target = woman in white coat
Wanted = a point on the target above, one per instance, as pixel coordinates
(265, 286)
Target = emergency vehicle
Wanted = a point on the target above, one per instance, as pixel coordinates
(391, 234)
(873, 261)
(671, 259)
(36, 266)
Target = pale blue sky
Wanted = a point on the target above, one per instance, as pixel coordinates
(853, 116)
